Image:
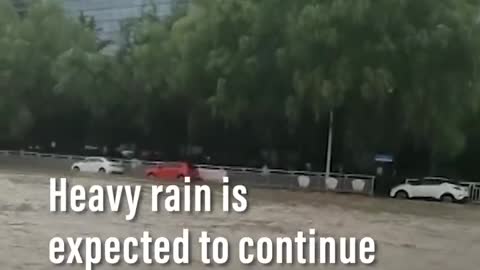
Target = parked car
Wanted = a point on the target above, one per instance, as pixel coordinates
(173, 170)
(437, 188)
(98, 164)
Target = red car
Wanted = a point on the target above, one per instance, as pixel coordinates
(173, 170)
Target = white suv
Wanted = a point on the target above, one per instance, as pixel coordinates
(432, 188)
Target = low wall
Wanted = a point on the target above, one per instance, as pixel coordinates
(212, 175)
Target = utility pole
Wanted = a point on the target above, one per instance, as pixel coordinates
(329, 146)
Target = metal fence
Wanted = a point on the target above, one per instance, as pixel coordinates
(474, 189)
(254, 177)
(343, 183)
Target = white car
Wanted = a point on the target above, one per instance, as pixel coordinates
(431, 188)
(98, 164)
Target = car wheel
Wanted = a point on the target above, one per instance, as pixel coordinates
(151, 176)
(76, 168)
(447, 198)
(180, 177)
(102, 170)
(401, 195)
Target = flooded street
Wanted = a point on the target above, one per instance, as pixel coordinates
(408, 235)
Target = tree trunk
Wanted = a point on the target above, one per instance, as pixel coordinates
(189, 135)
(432, 162)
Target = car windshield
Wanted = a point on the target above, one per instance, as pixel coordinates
(451, 181)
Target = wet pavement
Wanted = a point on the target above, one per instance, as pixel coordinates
(409, 234)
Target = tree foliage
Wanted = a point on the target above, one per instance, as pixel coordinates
(262, 74)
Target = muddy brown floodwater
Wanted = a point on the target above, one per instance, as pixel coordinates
(409, 235)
